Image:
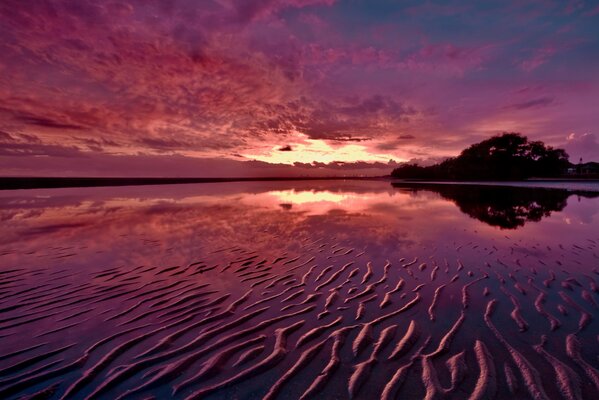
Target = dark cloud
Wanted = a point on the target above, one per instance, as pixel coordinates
(350, 138)
(349, 166)
(396, 143)
(286, 148)
(355, 119)
(48, 123)
(534, 103)
(5, 136)
(25, 150)
(164, 144)
(98, 145)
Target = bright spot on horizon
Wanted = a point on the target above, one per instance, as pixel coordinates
(315, 150)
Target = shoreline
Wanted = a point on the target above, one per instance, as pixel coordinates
(590, 185)
(24, 183)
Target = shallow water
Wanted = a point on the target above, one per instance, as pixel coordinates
(570, 184)
(253, 290)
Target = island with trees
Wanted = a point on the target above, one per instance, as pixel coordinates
(509, 156)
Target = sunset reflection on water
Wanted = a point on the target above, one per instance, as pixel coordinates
(113, 221)
(87, 242)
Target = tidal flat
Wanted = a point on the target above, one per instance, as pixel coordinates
(300, 290)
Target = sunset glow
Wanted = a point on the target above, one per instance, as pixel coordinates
(311, 150)
(283, 88)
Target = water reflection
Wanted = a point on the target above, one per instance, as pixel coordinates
(502, 206)
(175, 285)
(111, 225)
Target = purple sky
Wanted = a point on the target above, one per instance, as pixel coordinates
(290, 87)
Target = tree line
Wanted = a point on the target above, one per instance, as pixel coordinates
(509, 156)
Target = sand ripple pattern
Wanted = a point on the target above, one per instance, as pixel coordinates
(327, 321)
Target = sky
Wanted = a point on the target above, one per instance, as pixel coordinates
(222, 88)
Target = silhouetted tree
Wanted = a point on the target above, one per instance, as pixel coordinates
(509, 156)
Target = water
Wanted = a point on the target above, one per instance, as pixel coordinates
(176, 285)
(570, 185)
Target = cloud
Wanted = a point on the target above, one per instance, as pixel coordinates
(585, 146)
(48, 123)
(350, 166)
(24, 150)
(356, 119)
(5, 136)
(534, 103)
(539, 57)
(229, 79)
(249, 10)
(285, 148)
(66, 161)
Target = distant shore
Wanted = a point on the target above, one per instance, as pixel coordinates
(16, 183)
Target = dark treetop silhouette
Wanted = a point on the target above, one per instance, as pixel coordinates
(504, 207)
(509, 156)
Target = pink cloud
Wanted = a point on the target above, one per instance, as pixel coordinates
(538, 58)
(217, 79)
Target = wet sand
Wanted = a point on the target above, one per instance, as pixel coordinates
(304, 309)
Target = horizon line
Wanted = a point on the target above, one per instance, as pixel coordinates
(53, 182)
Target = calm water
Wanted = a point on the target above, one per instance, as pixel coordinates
(571, 185)
(328, 289)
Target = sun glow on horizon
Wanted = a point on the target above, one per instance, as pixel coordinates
(305, 150)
